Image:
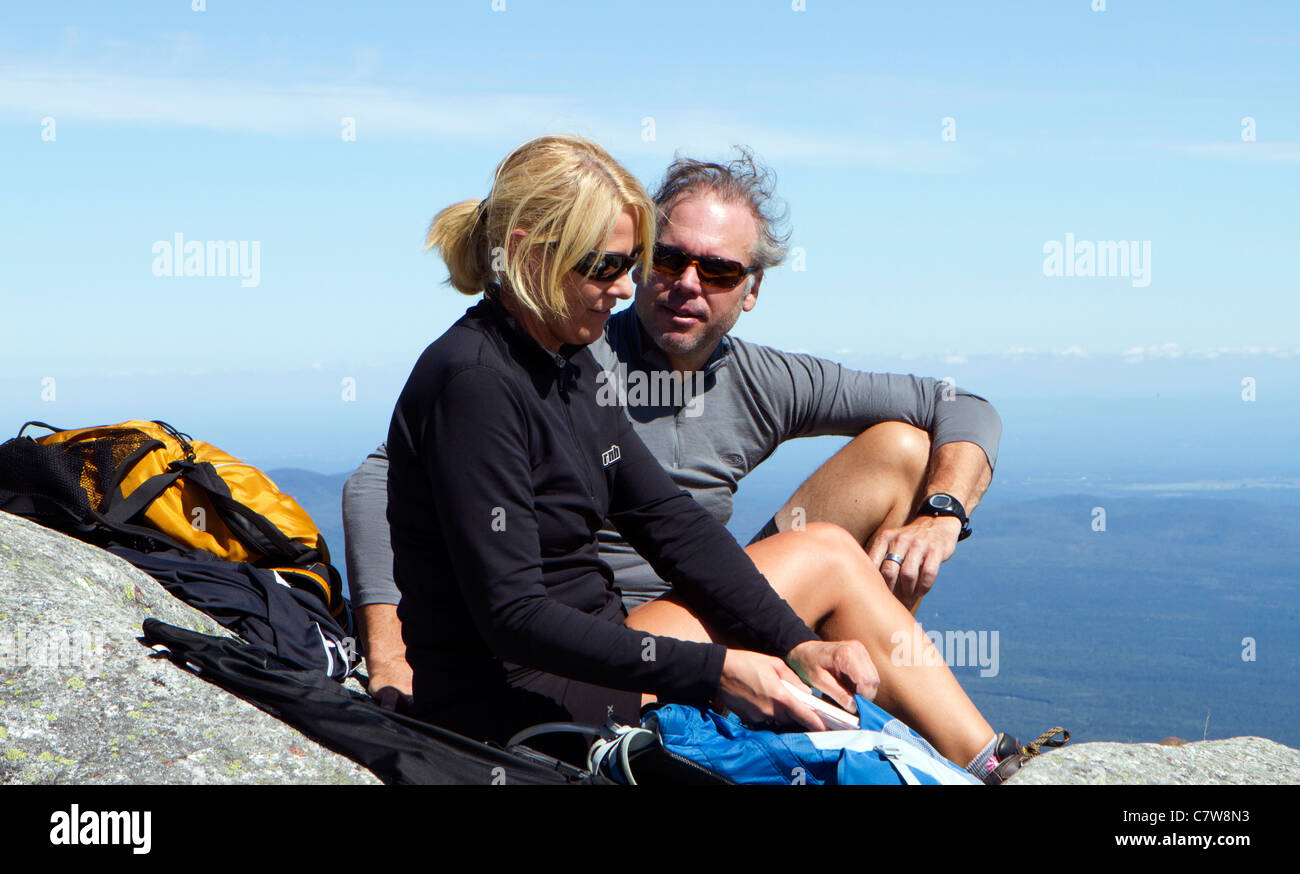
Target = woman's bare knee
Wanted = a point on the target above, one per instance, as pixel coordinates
(820, 569)
(828, 537)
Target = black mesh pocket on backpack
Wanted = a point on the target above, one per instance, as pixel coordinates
(60, 485)
(41, 472)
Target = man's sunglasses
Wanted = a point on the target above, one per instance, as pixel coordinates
(718, 272)
(606, 266)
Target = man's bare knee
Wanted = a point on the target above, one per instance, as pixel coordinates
(907, 445)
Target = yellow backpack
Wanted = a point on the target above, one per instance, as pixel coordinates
(149, 486)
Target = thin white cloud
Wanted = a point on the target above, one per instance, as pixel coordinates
(1245, 352)
(1279, 482)
(1276, 151)
(1137, 354)
(285, 110)
(386, 113)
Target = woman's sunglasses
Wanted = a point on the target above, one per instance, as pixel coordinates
(606, 266)
(718, 272)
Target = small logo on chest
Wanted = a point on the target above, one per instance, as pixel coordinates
(610, 455)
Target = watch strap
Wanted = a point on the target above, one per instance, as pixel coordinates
(953, 509)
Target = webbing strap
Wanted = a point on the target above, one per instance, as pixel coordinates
(253, 529)
(140, 531)
(124, 510)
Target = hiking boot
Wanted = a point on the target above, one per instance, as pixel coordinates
(1005, 761)
(1010, 755)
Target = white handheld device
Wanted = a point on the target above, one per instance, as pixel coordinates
(835, 717)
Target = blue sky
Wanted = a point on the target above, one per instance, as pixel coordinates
(123, 125)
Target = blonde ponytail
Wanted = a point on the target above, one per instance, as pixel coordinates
(460, 237)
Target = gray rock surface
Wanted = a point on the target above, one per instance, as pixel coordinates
(82, 701)
(1238, 760)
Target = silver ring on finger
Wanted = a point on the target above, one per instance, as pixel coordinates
(893, 556)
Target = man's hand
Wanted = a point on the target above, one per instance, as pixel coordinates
(381, 641)
(840, 669)
(924, 543)
(390, 682)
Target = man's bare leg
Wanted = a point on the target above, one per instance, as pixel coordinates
(873, 483)
(826, 577)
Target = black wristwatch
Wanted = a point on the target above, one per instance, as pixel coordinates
(944, 504)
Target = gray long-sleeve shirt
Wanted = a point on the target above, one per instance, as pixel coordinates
(708, 430)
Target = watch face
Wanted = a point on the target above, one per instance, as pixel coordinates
(940, 502)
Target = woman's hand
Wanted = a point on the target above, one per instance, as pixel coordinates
(753, 687)
(838, 668)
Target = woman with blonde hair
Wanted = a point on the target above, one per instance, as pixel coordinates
(503, 467)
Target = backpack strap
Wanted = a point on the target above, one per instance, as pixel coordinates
(137, 532)
(41, 425)
(125, 509)
(253, 529)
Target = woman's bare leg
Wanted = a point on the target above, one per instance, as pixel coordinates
(828, 580)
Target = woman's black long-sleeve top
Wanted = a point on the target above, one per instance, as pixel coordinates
(503, 467)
